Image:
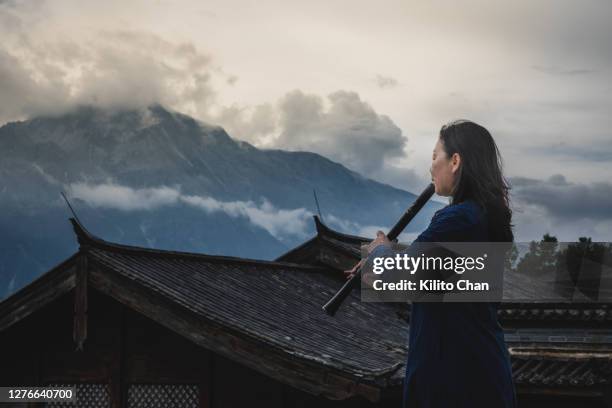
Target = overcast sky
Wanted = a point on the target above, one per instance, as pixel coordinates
(365, 83)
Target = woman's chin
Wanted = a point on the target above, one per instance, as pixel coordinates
(440, 192)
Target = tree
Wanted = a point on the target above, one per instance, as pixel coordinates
(510, 258)
(541, 259)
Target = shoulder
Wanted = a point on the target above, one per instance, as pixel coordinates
(468, 212)
(454, 222)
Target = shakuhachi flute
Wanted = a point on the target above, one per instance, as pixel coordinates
(334, 303)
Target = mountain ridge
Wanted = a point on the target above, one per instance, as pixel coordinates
(219, 195)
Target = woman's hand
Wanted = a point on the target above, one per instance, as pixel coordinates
(349, 273)
(381, 239)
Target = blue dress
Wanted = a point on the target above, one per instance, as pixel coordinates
(457, 355)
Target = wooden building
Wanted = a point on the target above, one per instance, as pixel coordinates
(133, 326)
(137, 327)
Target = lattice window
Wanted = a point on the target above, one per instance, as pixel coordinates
(88, 396)
(163, 396)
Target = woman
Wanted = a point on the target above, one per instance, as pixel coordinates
(457, 355)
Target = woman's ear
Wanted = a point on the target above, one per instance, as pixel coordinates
(455, 163)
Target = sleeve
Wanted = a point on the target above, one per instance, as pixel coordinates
(447, 225)
(380, 250)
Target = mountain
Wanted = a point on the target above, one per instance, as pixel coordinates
(158, 178)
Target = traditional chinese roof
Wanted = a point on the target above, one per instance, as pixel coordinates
(341, 251)
(329, 247)
(264, 314)
(553, 368)
(584, 313)
(267, 315)
(578, 333)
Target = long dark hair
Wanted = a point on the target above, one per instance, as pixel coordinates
(480, 175)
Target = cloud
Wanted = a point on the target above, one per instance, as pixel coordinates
(52, 74)
(588, 153)
(56, 54)
(554, 70)
(42, 74)
(256, 124)
(386, 82)
(22, 95)
(278, 222)
(341, 127)
(402, 176)
(560, 207)
(365, 231)
(349, 130)
(564, 200)
(232, 79)
(122, 197)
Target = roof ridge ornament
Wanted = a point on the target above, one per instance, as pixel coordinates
(324, 230)
(84, 237)
(70, 206)
(321, 228)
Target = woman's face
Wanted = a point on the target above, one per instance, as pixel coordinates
(444, 170)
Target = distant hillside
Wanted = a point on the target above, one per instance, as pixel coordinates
(158, 178)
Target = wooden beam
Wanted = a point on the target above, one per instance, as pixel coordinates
(116, 378)
(593, 392)
(79, 333)
(37, 294)
(205, 385)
